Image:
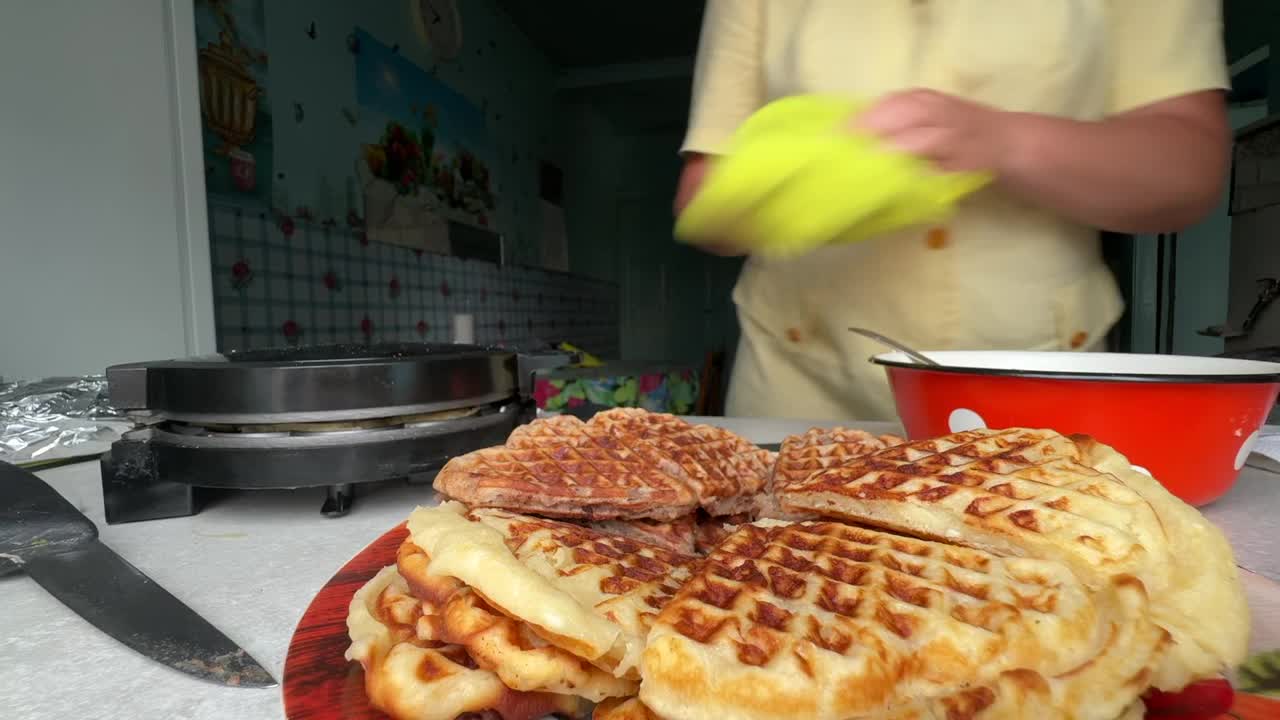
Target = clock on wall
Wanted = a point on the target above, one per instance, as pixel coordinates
(439, 26)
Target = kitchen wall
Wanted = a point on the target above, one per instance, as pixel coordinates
(103, 252)
(320, 284)
(293, 262)
(621, 180)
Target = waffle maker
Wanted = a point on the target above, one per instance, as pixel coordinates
(321, 416)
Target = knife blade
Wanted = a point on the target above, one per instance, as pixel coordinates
(58, 546)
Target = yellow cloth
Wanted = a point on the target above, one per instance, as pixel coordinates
(797, 177)
(587, 359)
(1000, 274)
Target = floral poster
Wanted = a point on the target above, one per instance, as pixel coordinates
(424, 157)
(235, 110)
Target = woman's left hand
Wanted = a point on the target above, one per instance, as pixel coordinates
(953, 133)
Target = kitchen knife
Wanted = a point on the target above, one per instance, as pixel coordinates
(53, 542)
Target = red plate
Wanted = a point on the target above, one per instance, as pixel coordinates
(320, 684)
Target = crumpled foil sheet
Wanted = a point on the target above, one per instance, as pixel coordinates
(57, 418)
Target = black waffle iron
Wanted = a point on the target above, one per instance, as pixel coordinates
(322, 416)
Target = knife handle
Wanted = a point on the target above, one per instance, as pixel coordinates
(35, 520)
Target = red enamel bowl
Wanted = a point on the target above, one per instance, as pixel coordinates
(1188, 421)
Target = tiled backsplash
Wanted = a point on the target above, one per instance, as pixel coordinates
(298, 280)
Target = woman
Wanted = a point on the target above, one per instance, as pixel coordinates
(1092, 114)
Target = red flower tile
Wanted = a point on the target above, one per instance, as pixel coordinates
(444, 288)
(366, 326)
(291, 329)
(241, 274)
(330, 281)
(422, 327)
(393, 287)
(286, 227)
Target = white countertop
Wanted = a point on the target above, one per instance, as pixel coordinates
(251, 564)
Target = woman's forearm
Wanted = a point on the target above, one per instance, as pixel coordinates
(1152, 170)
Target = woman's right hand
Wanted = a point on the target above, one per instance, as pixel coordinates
(695, 168)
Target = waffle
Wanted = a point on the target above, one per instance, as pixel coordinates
(507, 647)
(819, 449)
(678, 535)
(711, 531)
(1012, 492)
(1008, 698)
(1203, 607)
(802, 455)
(550, 429)
(562, 467)
(623, 709)
(831, 621)
(411, 675)
(725, 471)
(590, 593)
(623, 464)
(563, 470)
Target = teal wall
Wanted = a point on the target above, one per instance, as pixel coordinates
(675, 300)
(499, 71)
(619, 178)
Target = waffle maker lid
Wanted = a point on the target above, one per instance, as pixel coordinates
(316, 383)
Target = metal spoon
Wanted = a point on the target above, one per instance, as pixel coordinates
(890, 342)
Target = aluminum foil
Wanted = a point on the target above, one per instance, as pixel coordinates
(57, 418)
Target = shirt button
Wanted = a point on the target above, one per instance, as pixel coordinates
(793, 335)
(937, 238)
(1078, 340)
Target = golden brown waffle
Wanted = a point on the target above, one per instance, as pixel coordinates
(1203, 606)
(819, 449)
(623, 464)
(1037, 493)
(411, 675)
(711, 531)
(590, 593)
(547, 430)
(1015, 695)
(564, 468)
(677, 535)
(725, 471)
(830, 621)
(802, 455)
(1013, 492)
(623, 709)
(521, 660)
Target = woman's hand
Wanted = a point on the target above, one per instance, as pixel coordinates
(695, 167)
(1155, 168)
(953, 133)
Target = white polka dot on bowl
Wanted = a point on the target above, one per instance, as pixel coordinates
(962, 419)
(1246, 447)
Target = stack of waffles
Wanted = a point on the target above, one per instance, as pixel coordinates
(639, 566)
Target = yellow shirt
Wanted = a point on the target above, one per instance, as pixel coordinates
(1002, 274)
